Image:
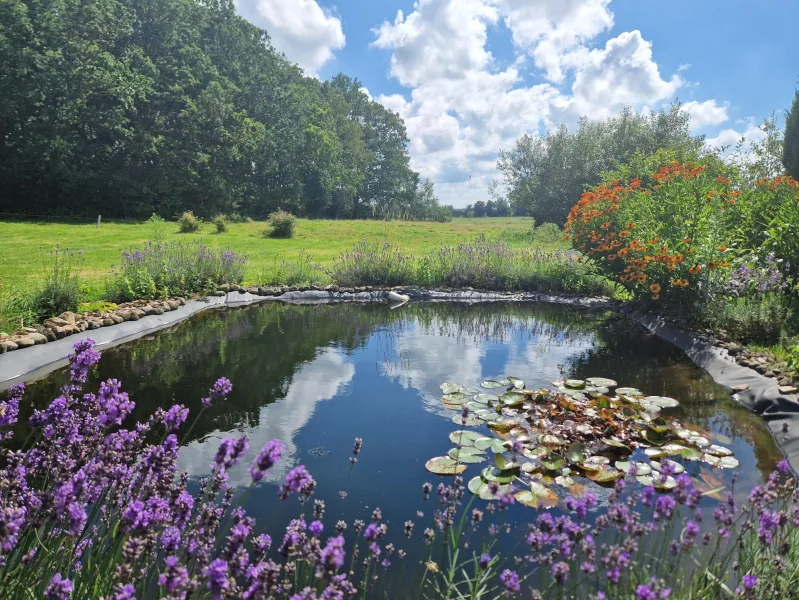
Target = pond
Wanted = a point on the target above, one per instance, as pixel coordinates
(317, 377)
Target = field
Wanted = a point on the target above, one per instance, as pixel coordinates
(24, 246)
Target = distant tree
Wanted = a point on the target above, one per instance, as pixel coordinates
(479, 209)
(546, 176)
(790, 156)
(759, 158)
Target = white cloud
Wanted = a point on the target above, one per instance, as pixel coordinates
(322, 379)
(728, 139)
(706, 113)
(304, 31)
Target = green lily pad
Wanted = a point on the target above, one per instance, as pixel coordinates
(475, 485)
(513, 398)
(655, 452)
(574, 384)
(605, 475)
(470, 391)
(663, 484)
(564, 481)
(491, 384)
(471, 420)
(494, 474)
(713, 461)
(536, 452)
(552, 440)
(455, 399)
(553, 462)
(641, 468)
(723, 439)
(662, 401)
(576, 453)
(486, 414)
(718, 450)
(699, 441)
(628, 391)
(538, 496)
(475, 406)
(615, 444)
(729, 462)
(465, 437)
(486, 398)
(489, 443)
(645, 480)
(601, 382)
(451, 388)
(466, 457)
(516, 383)
(677, 468)
(444, 465)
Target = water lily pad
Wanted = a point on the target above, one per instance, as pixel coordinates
(538, 496)
(699, 441)
(713, 461)
(663, 484)
(516, 383)
(486, 398)
(471, 420)
(601, 382)
(491, 384)
(723, 439)
(564, 481)
(641, 468)
(576, 453)
(645, 480)
(475, 485)
(494, 474)
(655, 452)
(574, 384)
(676, 467)
(465, 437)
(628, 391)
(486, 494)
(486, 414)
(444, 465)
(467, 457)
(513, 398)
(451, 388)
(718, 450)
(662, 401)
(552, 440)
(455, 399)
(536, 452)
(615, 444)
(729, 462)
(470, 391)
(553, 462)
(605, 475)
(489, 443)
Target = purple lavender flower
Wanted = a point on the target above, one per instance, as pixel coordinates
(124, 592)
(510, 580)
(297, 480)
(332, 557)
(59, 588)
(217, 575)
(269, 455)
(175, 576)
(484, 560)
(316, 528)
(175, 417)
(560, 572)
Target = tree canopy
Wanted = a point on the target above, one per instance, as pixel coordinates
(790, 156)
(128, 107)
(546, 176)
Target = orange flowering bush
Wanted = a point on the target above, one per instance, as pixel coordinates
(667, 238)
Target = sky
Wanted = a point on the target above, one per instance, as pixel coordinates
(471, 76)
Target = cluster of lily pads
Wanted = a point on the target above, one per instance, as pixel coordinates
(541, 440)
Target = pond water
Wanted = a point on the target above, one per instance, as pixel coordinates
(317, 377)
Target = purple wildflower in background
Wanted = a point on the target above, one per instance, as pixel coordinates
(484, 560)
(333, 554)
(175, 576)
(560, 572)
(269, 455)
(59, 588)
(114, 405)
(510, 580)
(217, 574)
(175, 417)
(124, 592)
(748, 583)
(221, 390)
(316, 528)
(296, 481)
(356, 449)
(9, 410)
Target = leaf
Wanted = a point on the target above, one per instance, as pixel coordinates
(444, 465)
(451, 388)
(465, 437)
(552, 440)
(662, 401)
(723, 439)
(486, 398)
(489, 443)
(699, 441)
(641, 468)
(615, 444)
(576, 453)
(491, 384)
(553, 462)
(605, 475)
(729, 462)
(471, 420)
(475, 485)
(455, 399)
(718, 450)
(516, 383)
(538, 497)
(513, 398)
(627, 391)
(574, 384)
(466, 457)
(494, 474)
(601, 382)
(564, 481)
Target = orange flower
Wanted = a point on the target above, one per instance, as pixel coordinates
(723, 180)
(686, 240)
(695, 270)
(642, 278)
(655, 288)
(655, 296)
(605, 225)
(676, 282)
(723, 248)
(612, 257)
(731, 202)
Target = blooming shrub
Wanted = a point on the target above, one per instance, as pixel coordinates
(372, 264)
(166, 269)
(281, 224)
(669, 240)
(92, 507)
(188, 223)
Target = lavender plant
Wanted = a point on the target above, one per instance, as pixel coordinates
(372, 264)
(91, 507)
(170, 268)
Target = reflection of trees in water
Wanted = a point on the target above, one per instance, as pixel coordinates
(636, 358)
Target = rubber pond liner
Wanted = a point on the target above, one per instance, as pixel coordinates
(546, 443)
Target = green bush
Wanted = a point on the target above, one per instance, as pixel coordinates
(220, 222)
(302, 271)
(158, 227)
(188, 223)
(548, 234)
(369, 263)
(750, 320)
(61, 289)
(281, 225)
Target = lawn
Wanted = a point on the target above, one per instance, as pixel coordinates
(25, 245)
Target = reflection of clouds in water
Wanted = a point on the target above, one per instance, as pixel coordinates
(321, 379)
(422, 359)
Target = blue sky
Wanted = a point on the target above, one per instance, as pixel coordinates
(471, 76)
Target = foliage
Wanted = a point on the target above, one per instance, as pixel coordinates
(282, 225)
(173, 268)
(157, 227)
(760, 158)
(790, 156)
(546, 176)
(220, 223)
(107, 493)
(372, 264)
(61, 289)
(188, 223)
(182, 105)
(757, 319)
(96, 306)
(304, 270)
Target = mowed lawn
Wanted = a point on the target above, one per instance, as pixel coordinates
(25, 246)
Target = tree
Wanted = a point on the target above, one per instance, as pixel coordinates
(546, 176)
(479, 209)
(790, 156)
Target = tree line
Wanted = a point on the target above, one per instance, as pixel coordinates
(129, 107)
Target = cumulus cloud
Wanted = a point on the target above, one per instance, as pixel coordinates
(706, 113)
(304, 31)
(728, 139)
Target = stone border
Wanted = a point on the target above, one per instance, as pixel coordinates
(761, 394)
(134, 320)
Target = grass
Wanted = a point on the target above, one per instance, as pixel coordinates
(324, 240)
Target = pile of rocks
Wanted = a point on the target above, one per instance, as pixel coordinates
(69, 323)
(762, 363)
